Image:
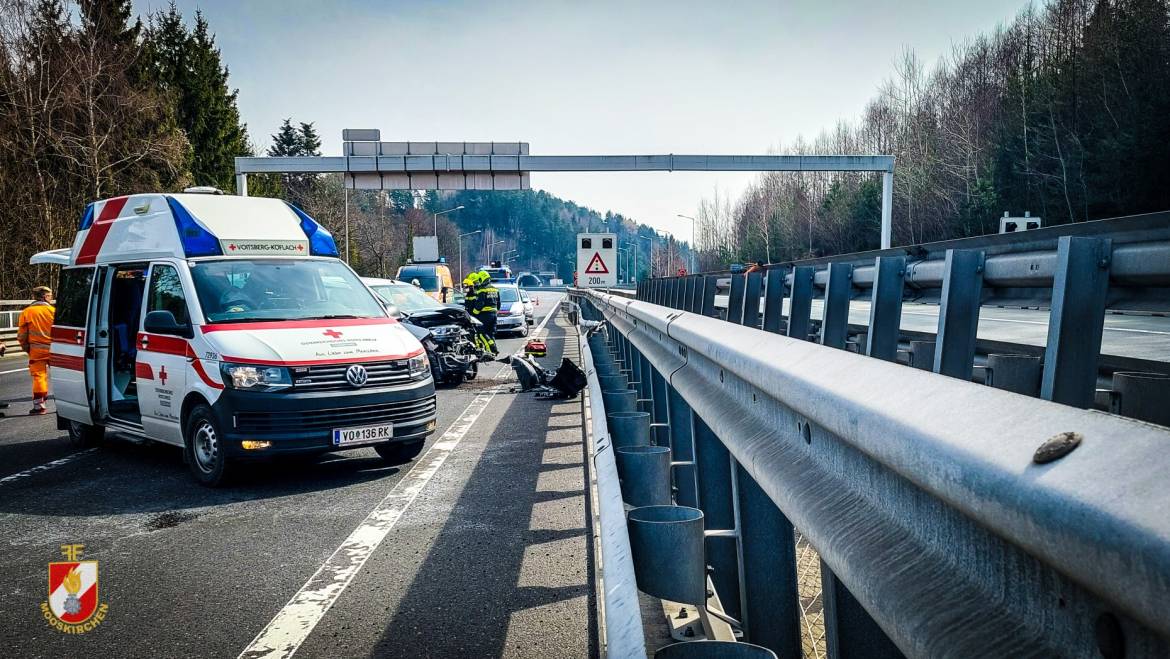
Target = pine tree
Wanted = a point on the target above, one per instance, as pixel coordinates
(310, 140)
(285, 142)
(289, 141)
(188, 66)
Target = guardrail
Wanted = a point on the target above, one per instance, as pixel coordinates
(1078, 272)
(9, 314)
(951, 518)
(621, 618)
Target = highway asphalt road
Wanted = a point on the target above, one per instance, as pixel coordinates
(478, 548)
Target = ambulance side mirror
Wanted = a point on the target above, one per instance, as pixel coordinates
(163, 322)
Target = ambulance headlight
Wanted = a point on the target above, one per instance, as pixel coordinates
(255, 378)
(420, 366)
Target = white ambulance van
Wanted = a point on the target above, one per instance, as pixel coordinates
(229, 327)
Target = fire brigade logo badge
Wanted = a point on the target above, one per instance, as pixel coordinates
(73, 607)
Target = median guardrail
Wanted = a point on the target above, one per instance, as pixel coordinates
(1079, 273)
(951, 518)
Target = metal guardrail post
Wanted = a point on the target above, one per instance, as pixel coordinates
(659, 408)
(1077, 320)
(735, 300)
(751, 299)
(682, 446)
(1018, 373)
(696, 295)
(774, 300)
(1141, 396)
(716, 501)
(835, 313)
(771, 615)
(849, 630)
(800, 307)
(885, 307)
(958, 315)
(646, 378)
(710, 288)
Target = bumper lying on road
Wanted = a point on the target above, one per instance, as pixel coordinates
(304, 422)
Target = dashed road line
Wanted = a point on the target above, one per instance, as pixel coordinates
(285, 633)
(46, 467)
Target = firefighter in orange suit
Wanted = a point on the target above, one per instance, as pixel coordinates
(35, 336)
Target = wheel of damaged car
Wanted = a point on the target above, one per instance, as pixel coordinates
(471, 372)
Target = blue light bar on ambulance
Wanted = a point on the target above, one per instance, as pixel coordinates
(196, 240)
(87, 219)
(320, 240)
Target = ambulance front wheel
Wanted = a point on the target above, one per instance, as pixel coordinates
(397, 453)
(84, 435)
(205, 450)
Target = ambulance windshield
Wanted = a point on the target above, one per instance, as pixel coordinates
(243, 290)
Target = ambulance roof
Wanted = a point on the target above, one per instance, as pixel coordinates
(151, 226)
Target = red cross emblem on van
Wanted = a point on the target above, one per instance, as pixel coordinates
(333, 334)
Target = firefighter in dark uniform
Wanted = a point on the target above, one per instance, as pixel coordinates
(483, 301)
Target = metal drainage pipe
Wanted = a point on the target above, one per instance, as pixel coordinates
(645, 474)
(625, 400)
(669, 558)
(628, 428)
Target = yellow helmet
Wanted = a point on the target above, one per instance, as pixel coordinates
(469, 280)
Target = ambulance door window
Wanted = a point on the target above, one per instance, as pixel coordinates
(72, 367)
(166, 293)
(162, 361)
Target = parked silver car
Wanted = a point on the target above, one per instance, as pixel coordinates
(512, 316)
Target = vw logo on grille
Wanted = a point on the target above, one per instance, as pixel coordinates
(356, 375)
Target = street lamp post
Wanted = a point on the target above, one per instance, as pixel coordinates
(620, 250)
(651, 241)
(688, 217)
(633, 248)
(449, 210)
(461, 237)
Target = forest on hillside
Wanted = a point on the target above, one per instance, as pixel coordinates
(1061, 113)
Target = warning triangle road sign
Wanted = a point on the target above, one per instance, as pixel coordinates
(596, 266)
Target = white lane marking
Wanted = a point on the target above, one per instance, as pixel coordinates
(285, 633)
(46, 467)
(15, 370)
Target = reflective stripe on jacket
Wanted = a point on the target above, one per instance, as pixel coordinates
(489, 297)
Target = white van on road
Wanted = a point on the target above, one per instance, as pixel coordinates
(229, 327)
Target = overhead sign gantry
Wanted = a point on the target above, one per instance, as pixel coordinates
(370, 164)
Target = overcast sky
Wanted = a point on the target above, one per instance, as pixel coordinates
(730, 77)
